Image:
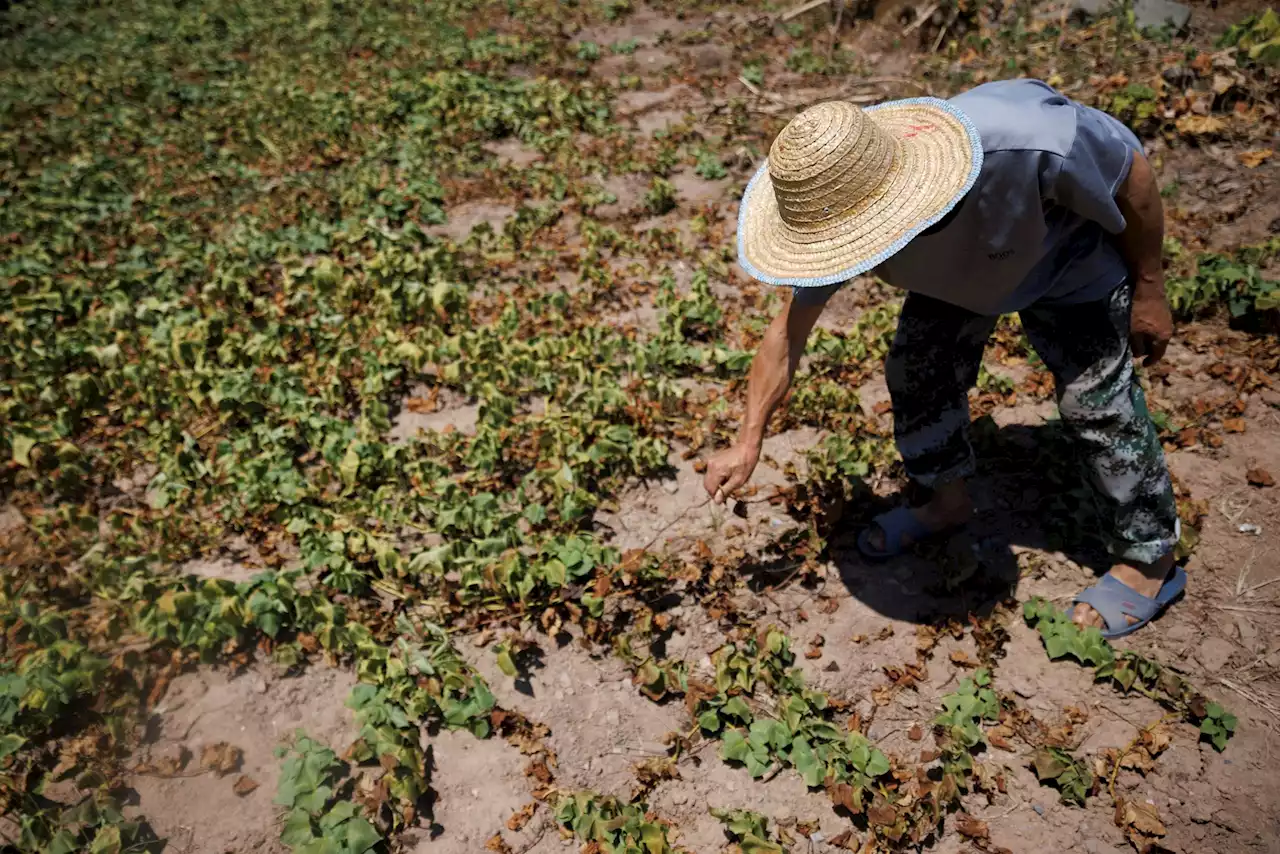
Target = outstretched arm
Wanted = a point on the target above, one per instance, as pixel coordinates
(1142, 244)
(771, 373)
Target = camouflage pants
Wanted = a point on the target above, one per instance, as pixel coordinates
(934, 361)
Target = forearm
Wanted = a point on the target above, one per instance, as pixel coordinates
(773, 368)
(1142, 242)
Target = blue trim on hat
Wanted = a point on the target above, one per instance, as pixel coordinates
(975, 147)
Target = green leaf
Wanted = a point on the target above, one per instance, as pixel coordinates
(654, 838)
(505, 663)
(22, 447)
(757, 764)
(737, 707)
(10, 743)
(297, 829)
(709, 721)
(876, 765)
(1056, 646)
(756, 845)
(812, 770)
(106, 841)
(361, 836)
(733, 746)
(349, 468)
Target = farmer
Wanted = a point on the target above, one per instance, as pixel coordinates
(1009, 197)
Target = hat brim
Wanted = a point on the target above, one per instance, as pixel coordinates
(941, 157)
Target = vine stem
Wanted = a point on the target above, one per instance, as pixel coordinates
(1115, 772)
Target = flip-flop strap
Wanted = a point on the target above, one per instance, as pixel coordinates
(898, 523)
(1114, 601)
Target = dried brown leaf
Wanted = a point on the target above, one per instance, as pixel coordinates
(244, 785)
(497, 844)
(845, 840)
(1200, 125)
(999, 737)
(1260, 477)
(971, 827)
(1254, 158)
(521, 817)
(1140, 821)
(221, 758)
(882, 813)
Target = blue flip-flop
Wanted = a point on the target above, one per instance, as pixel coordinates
(1115, 601)
(897, 523)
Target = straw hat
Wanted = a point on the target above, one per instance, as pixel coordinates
(845, 188)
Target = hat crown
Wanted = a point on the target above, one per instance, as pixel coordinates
(827, 162)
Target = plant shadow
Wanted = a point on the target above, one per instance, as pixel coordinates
(1029, 492)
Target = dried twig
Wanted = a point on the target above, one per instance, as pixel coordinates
(797, 11)
(1131, 745)
(835, 28)
(876, 81)
(1259, 586)
(942, 33)
(667, 527)
(921, 17)
(1259, 701)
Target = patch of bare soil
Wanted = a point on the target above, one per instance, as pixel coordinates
(478, 786)
(198, 810)
(601, 726)
(433, 409)
(464, 218)
(675, 511)
(512, 152)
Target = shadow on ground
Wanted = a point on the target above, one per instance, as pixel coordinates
(1029, 492)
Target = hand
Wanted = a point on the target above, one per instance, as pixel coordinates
(729, 469)
(1150, 327)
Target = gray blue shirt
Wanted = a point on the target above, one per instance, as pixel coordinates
(1039, 224)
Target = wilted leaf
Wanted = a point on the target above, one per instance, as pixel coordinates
(521, 817)
(221, 758)
(1254, 158)
(972, 828)
(1200, 125)
(1139, 820)
(1260, 477)
(244, 785)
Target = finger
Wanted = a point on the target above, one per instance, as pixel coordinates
(713, 480)
(735, 482)
(1157, 352)
(719, 496)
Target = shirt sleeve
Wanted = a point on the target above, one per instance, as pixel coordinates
(812, 296)
(1098, 163)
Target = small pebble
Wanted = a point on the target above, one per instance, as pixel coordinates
(1039, 809)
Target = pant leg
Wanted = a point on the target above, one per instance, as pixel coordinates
(932, 364)
(1086, 346)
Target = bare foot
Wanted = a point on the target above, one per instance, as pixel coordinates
(1146, 579)
(950, 506)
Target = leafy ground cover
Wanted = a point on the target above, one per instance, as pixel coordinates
(356, 363)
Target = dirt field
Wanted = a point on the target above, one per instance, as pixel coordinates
(886, 643)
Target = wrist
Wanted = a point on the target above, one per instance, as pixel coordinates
(1148, 286)
(751, 439)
